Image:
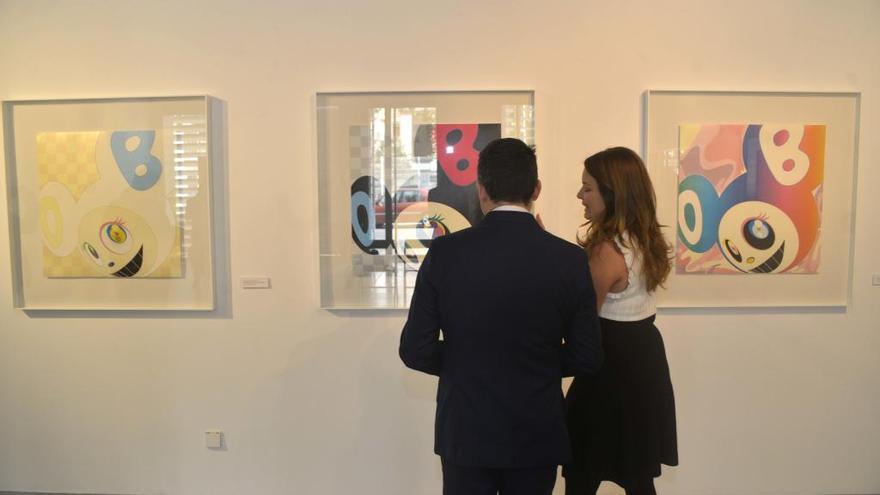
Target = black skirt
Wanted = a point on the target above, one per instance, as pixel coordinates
(622, 420)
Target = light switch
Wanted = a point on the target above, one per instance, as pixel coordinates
(213, 439)
(875, 280)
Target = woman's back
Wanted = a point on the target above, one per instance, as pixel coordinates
(633, 303)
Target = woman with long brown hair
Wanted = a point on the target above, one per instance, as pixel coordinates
(622, 420)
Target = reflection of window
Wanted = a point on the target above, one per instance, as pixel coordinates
(406, 175)
(377, 192)
(189, 147)
(407, 196)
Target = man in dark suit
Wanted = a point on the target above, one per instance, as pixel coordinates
(517, 310)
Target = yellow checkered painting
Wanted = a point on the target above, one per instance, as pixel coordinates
(108, 205)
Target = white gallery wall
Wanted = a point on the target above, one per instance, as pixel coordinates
(317, 402)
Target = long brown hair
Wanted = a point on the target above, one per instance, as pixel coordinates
(630, 207)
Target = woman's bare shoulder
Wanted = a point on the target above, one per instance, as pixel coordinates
(607, 259)
(607, 251)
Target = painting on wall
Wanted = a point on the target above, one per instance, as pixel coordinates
(436, 202)
(749, 198)
(106, 207)
(110, 203)
(756, 195)
(396, 171)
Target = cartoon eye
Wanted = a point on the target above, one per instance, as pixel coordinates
(116, 233)
(115, 237)
(759, 234)
(436, 226)
(439, 225)
(732, 249)
(92, 253)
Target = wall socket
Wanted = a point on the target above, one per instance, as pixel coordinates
(875, 280)
(214, 439)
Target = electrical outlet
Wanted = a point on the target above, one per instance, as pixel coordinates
(214, 439)
(875, 280)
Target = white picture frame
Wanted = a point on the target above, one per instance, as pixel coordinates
(666, 111)
(91, 181)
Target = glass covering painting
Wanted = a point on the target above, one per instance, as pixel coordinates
(749, 198)
(110, 203)
(756, 193)
(408, 176)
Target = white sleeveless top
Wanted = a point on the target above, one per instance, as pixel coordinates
(635, 302)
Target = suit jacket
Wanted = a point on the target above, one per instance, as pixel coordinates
(517, 310)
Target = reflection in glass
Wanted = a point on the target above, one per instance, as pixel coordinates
(411, 177)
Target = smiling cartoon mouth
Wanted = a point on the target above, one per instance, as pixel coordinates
(132, 267)
(772, 263)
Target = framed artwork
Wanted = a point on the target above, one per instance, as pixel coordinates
(757, 192)
(397, 170)
(110, 203)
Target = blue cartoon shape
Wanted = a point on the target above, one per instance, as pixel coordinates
(364, 216)
(363, 219)
(139, 168)
(699, 210)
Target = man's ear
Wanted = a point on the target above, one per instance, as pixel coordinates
(481, 193)
(537, 190)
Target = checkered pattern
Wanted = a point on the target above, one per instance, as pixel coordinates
(364, 264)
(359, 165)
(70, 266)
(359, 150)
(67, 158)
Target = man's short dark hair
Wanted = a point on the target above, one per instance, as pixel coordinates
(508, 170)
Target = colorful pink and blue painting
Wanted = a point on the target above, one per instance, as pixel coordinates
(749, 198)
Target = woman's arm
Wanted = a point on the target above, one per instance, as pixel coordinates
(608, 268)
